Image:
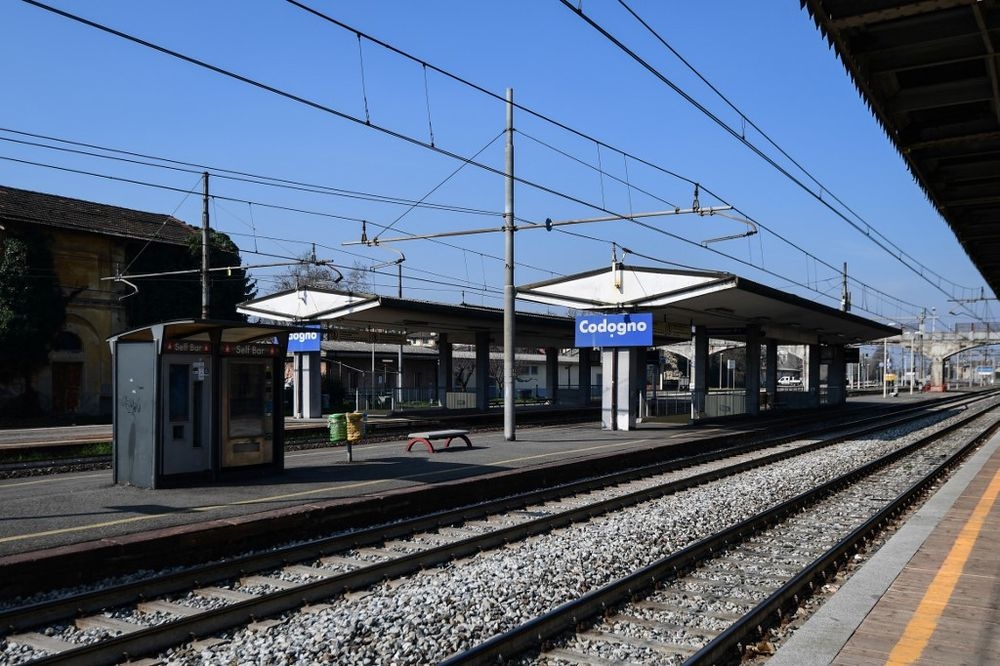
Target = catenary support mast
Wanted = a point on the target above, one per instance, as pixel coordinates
(508, 290)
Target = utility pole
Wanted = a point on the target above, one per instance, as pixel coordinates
(204, 252)
(845, 296)
(508, 290)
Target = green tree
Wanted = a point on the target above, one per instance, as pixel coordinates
(227, 288)
(167, 297)
(32, 311)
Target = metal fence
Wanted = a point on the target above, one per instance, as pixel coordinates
(415, 399)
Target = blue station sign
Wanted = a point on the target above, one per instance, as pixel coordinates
(305, 341)
(614, 330)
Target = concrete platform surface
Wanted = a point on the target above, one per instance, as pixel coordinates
(61, 509)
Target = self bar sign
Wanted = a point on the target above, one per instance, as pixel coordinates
(614, 330)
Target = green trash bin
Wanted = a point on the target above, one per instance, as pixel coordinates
(338, 427)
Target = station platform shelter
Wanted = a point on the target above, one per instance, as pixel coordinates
(684, 305)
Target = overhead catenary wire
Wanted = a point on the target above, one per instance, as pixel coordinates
(579, 11)
(234, 175)
(745, 120)
(217, 196)
(347, 116)
(765, 227)
(760, 153)
(441, 184)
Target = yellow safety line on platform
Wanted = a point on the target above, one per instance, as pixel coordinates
(214, 507)
(925, 618)
(80, 528)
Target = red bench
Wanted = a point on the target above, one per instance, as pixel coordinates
(426, 438)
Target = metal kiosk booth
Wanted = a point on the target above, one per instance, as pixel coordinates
(195, 399)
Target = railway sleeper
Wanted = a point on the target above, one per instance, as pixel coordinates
(627, 616)
(105, 623)
(667, 607)
(268, 581)
(660, 647)
(576, 657)
(342, 562)
(713, 574)
(307, 571)
(224, 594)
(36, 641)
(169, 607)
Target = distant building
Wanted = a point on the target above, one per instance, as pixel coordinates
(88, 241)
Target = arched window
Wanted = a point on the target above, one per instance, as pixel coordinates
(66, 341)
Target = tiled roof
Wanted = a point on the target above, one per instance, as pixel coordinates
(64, 213)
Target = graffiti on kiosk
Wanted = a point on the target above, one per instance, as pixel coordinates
(609, 330)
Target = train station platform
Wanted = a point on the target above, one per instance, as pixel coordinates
(930, 595)
(86, 510)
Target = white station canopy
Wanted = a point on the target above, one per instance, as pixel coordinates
(307, 304)
(462, 323)
(722, 302)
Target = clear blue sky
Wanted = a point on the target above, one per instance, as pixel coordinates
(69, 81)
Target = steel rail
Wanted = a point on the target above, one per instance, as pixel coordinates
(147, 640)
(769, 611)
(25, 617)
(566, 617)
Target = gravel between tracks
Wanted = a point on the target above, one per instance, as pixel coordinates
(429, 616)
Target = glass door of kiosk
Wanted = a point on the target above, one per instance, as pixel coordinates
(247, 412)
(187, 413)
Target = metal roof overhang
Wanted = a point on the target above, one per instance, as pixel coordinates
(724, 303)
(368, 311)
(929, 71)
(202, 330)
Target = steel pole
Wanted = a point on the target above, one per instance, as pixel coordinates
(885, 366)
(913, 369)
(204, 252)
(508, 290)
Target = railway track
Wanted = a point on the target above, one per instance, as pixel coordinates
(103, 626)
(716, 600)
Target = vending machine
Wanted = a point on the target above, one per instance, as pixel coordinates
(248, 372)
